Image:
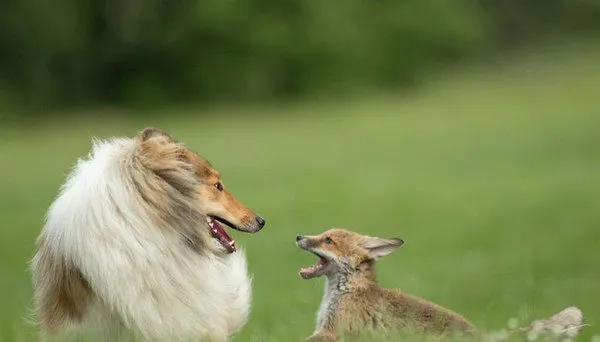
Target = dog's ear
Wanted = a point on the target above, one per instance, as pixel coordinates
(379, 247)
(167, 159)
(155, 133)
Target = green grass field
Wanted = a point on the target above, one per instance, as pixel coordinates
(492, 180)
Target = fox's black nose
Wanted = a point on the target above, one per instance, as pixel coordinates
(299, 237)
(261, 221)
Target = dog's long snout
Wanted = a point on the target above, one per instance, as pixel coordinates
(260, 221)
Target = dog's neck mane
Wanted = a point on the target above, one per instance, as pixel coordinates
(338, 283)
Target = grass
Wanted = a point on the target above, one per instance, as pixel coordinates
(493, 181)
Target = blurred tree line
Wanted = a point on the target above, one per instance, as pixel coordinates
(86, 52)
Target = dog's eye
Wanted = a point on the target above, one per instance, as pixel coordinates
(219, 186)
(328, 240)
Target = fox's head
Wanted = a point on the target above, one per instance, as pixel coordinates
(342, 250)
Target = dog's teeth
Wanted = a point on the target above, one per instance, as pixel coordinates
(231, 243)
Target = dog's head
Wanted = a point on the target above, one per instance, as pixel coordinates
(343, 250)
(194, 189)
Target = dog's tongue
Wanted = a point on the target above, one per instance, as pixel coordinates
(219, 233)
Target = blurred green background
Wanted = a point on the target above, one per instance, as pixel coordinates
(151, 52)
(471, 129)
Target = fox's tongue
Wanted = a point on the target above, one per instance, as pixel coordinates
(310, 272)
(219, 233)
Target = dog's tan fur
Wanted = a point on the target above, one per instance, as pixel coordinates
(62, 293)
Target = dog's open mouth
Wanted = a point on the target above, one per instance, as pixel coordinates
(315, 270)
(220, 234)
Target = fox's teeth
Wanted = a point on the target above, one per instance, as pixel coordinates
(231, 243)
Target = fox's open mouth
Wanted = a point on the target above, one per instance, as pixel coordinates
(220, 234)
(315, 270)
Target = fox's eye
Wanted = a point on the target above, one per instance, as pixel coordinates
(219, 186)
(328, 240)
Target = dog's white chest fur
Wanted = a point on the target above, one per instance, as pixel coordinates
(143, 278)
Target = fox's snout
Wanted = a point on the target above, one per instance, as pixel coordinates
(300, 241)
(305, 242)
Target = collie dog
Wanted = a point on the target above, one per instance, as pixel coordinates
(133, 247)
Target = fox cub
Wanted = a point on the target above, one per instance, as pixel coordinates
(354, 302)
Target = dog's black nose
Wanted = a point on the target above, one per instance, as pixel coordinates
(261, 221)
(299, 237)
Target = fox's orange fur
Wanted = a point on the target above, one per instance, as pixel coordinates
(354, 302)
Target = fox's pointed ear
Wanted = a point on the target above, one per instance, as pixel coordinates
(378, 247)
(152, 132)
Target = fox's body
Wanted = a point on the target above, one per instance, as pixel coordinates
(362, 304)
(354, 302)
